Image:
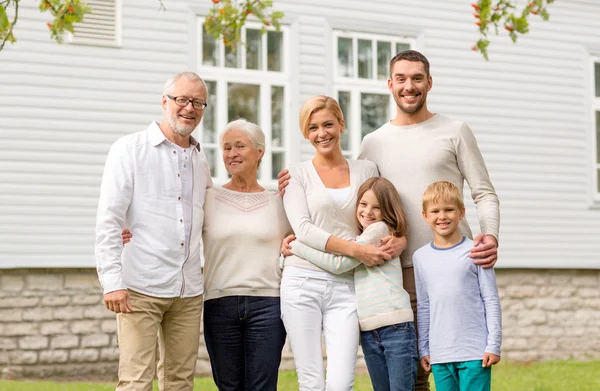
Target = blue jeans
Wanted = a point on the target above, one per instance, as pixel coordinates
(244, 336)
(391, 356)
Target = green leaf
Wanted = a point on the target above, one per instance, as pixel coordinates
(3, 19)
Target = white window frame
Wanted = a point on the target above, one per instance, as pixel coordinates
(356, 85)
(118, 28)
(595, 106)
(263, 78)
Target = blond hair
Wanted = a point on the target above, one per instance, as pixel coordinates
(442, 191)
(318, 103)
(389, 204)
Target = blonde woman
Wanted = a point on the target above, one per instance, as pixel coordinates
(320, 205)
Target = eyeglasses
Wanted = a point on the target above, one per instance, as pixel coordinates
(184, 101)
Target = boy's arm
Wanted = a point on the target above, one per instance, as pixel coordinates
(493, 312)
(338, 263)
(422, 311)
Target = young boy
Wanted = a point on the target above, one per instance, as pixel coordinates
(459, 317)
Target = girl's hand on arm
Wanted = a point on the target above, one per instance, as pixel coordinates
(285, 245)
(368, 254)
(426, 364)
(392, 245)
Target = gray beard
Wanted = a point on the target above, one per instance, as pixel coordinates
(181, 130)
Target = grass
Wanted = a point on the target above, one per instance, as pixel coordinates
(548, 376)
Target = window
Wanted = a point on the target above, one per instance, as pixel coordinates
(102, 26)
(596, 132)
(251, 82)
(361, 73)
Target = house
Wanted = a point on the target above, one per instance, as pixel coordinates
(534, 108)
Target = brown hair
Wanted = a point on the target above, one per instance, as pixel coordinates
(410, 55)
(389, 203)
(318, 103)
(442, 191)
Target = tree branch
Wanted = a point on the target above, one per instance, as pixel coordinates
(12, 25)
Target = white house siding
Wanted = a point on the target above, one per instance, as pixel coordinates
(61, 106)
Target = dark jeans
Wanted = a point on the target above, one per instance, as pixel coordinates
(391, 356)
(244, 336)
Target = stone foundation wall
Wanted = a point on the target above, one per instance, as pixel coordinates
(53, 322)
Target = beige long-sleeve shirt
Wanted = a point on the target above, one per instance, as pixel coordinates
(242, 234)
(414, 156)
(314, 214)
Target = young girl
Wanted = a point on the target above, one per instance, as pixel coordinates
(386, 320)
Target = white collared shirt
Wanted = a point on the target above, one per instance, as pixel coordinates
(143, 189)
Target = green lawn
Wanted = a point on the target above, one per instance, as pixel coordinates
(549, 376)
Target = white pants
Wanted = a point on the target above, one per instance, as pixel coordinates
(309, 306)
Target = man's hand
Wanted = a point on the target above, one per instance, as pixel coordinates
(285, 245)
(426, 364)
(392, 245)
(118, 301)
(490, 359)
(485, 254)
(283, 179)
(126, 236)
(369, 254)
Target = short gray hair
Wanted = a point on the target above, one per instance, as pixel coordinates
(188, 75)
(250, 129)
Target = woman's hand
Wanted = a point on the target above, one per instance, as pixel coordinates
(126, 236)
(285, 245)
(369, 254)
(392, 245)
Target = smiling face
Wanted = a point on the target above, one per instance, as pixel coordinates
(368, 210)
(183, 120)
(240, 156)
(443, 218)
(409, 85)
(324, 131)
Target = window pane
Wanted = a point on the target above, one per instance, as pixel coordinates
(211, 156)
(210, 49)
(344, 101)
(277, 164)
(209, 121)
(232, 57)
(597, 78)
(598, 137)
(277, 116)
(384, 52)
(374, 112)
(345, 58)
(274, 50)
(254, 49)
(243, 101)
(400, 47)
(365, 59)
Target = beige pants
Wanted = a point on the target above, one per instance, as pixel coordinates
(178, 320)
(408, 276)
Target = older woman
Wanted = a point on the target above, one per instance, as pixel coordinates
(243, 228)
(244, 225)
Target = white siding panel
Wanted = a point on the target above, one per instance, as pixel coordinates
(62, 106)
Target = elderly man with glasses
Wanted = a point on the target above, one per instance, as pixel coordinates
(154, 183)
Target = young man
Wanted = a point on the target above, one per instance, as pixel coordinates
(419, 147)
(460, 321)
(154, 183)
